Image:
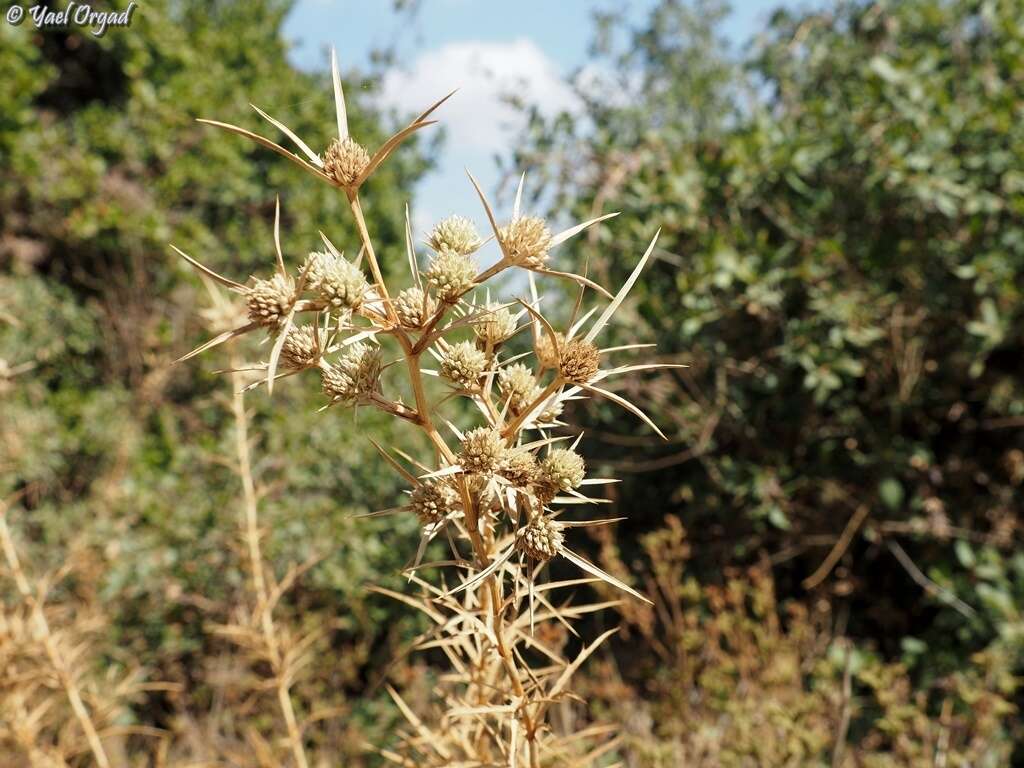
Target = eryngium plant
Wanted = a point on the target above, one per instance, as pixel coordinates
(493, 492)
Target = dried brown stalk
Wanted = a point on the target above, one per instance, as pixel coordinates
(258, 633)
(252, 536)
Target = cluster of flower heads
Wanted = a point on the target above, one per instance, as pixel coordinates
(351, 316)
(498, 490)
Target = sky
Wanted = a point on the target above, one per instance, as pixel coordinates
(480, 47)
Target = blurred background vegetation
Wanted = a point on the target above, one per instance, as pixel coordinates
(832, 531)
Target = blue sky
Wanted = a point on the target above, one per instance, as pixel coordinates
(481, 47)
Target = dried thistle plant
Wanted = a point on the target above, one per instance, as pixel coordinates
(493, 492)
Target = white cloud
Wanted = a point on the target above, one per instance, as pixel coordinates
(476, 118)
(478, 122)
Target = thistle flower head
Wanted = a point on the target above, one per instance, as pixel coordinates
(269, 301)
(414, 307)
(345, 160)
(463, 364)
(313, 267)
(579, 361)
(546, 351)
(496, 325)
(354, 377)
(451, 273)
(482, 451)
(526, 240)
(432, 500)
(456, 233)
(302, 348)
(338, 282)
(518, 385)
(519, 467)
(561, 470)
(541, 539)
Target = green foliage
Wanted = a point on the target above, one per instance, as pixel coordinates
(113, 447)
(842, 264)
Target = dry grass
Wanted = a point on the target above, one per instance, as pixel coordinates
(55, 705)
(735, 678)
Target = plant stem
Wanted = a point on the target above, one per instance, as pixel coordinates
(371, 256)
(491, 271)
(57, 660)
(483, 550)
(252, 537)
(531, 742)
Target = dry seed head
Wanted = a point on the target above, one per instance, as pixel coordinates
(495, 326)
(463, 364)
(547, 353)
(451, 273)
(482, 451)
(526, 241)
(456, 233)
(414, 307)
(354, 377)
(432, 500)
(340, 283)
(561, 470)
(345, 160)
(579, 361)
(541, 539)
(518, 385)
(269, 301)
(301, 348)
(519, 467)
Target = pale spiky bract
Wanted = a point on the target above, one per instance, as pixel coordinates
(489, 498)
